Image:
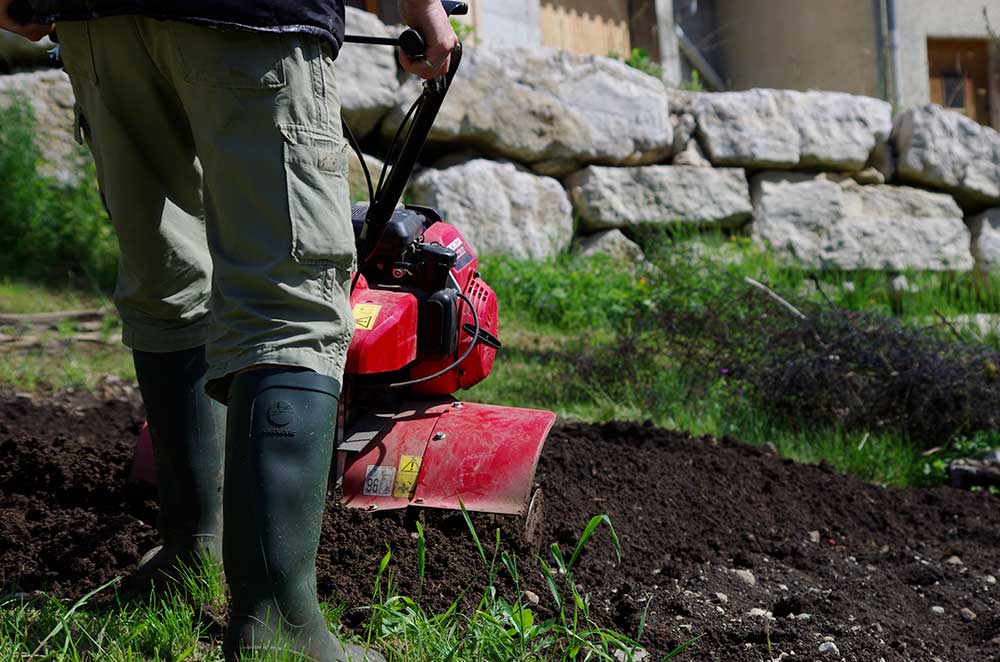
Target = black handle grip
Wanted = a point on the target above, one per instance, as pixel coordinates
(412, 43)
(455, 8)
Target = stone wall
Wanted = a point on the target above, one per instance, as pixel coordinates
(534, 142)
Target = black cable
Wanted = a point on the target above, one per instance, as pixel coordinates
(472, 346)
(395, 146)
(356, 146)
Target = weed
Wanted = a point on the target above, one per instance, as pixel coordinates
(694, 83)
(640, 59)
(466, 33)
(502, 625)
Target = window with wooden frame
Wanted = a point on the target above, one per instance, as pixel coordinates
(960, 76)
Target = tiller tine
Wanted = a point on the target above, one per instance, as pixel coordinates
(446, 455)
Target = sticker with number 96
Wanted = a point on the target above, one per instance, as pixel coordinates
(379, 480)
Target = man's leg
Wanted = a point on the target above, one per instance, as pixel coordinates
(151, 182)
(265, 120)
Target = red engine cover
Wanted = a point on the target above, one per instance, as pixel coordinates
(385, 339)
(385, 335)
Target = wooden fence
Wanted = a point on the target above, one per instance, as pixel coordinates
(599, 27)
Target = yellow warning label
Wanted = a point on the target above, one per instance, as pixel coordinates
(406, 477)
(365, 315)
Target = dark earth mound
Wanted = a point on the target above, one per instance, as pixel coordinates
(831, 558)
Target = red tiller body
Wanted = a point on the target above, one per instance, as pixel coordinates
(431, 450)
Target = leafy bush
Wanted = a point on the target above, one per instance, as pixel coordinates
(55, 232)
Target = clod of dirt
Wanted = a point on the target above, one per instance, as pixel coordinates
(688, 512)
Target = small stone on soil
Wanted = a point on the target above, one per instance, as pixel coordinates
(954, 560)
(936, 609)
(531, 597)
(967, 614)
(721, 597)
(814, 536)
(990, 579)
(638, 655)
(757, 612)
(747, 577)
(829, 647)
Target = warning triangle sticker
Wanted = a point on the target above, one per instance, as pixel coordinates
(365, 316)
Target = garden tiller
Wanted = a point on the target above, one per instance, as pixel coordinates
(426, 328)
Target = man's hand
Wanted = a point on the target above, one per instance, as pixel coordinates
(429, 19)
(32, 32)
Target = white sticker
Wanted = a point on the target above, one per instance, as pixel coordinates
(379, 480)
(458, 246)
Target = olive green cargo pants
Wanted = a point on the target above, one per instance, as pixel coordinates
(223, 166)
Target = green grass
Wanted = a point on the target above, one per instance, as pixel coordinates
(502, 625)
(20, 296)
(57, 363)
(76, 366)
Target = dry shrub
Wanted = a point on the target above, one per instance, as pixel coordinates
(834, 368)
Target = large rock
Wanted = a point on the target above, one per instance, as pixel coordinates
(500, 208)
(820, 223)
(366, 75)
(788, 129)
(612, 243)
(607, 198)
(985, 229)
(946, 150)
(49, 96)
(551, 109)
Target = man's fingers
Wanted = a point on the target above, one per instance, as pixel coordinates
(425, 67)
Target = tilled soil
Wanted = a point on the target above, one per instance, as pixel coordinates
(710, 530)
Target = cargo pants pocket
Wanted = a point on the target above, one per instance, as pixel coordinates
(318, 197)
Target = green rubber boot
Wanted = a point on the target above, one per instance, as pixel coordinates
(188, 432)
(280, 445)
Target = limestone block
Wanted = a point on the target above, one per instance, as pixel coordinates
(819, 223)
